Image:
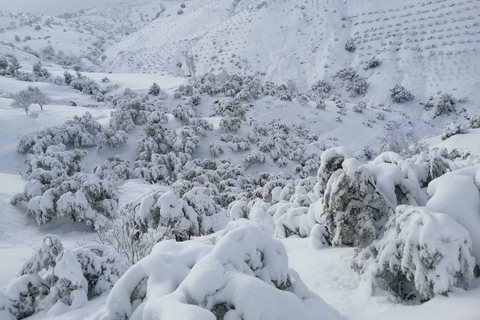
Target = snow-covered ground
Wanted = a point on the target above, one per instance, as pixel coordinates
(430, 48)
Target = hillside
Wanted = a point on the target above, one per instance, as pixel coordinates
(244, 159)
(427, 46)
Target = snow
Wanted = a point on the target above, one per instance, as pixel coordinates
(430, 48)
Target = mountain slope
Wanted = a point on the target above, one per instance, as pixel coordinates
(428, 47)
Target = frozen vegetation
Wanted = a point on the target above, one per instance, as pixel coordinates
(332, 172)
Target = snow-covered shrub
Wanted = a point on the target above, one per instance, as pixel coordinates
(354, 82)
(422, 254)
(85, 85)
(215, 149)
(57, 280)
(354, 209)
(79, 132)
(454, 128)
(186, 140)
(302, 99)
(319, 237)
(291, 219)
(474, 122)
(239, 144)
(129, 113)
(283, 93)
(114, 170)
(320, 104)
(184, 112)
(359, 106)
(39, 71)
(241, 272)
(157, 140)
(230, 124)
(456, 193)
(404, 144)
(350, 45)
(81, 197)
(359, 85)
(253, 157)
(445, 104)
(330, 161)
(321, 87)
(200, 126)
(111, 139)
(400, 94)
(251, 89)
(372, 63)
(154, 89)
(162, 215)
(231, 108)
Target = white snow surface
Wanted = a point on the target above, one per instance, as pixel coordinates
(429, 47)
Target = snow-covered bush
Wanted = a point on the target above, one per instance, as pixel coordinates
(400, 94)
(330, 161)
(358, 86)
(350, 45)
(359, 106)
(230, 124)
(354, 83)
(320, 104)
(163, 215)
(454, 128)
(321, 87)
(79, 132)
(445, 104)
(39, 71)
(253, 157)
(154, 89)
(129, 113)
(372, 63)
(186, 140)
(242, 272)
(404, 144)
(239, 144)
(184, 112)
(55, 279)
(474, 122)
(111, 139)
(114, 170)
(230, 108)
(157, 140)
(81, 197)
(422, 254)
(354, 209)
(215, 149)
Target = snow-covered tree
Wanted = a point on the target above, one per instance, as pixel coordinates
(23, 100)
(38, 97)
(354, 209)
(421, 255)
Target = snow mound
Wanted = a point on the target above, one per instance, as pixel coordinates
(240, 273)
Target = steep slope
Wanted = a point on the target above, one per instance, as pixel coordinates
(428, 47)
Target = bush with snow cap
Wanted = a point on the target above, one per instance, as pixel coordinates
(422, 254)
(239, 273)
(454, 128)
(354, 209)
(55, 279)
